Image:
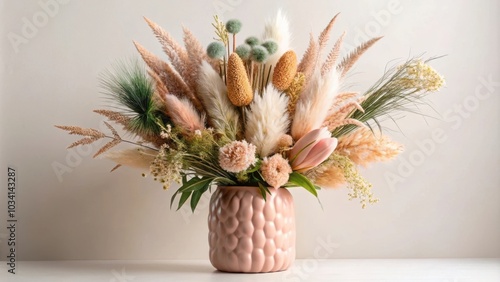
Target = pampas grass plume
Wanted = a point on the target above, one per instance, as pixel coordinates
(267, 121)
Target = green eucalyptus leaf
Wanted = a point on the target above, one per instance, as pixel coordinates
(183, 199)
(196, 196)
(262, 190)
(195, 184)
(302, 181)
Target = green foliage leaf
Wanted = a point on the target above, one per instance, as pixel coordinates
(302, 181)
(195, 198)
(255, 167)
(194, 188)
(263, 190)
(183, 199)
(195, 184)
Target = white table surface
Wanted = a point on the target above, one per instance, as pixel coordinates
(442, 270)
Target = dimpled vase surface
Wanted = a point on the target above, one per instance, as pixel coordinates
(248, 233)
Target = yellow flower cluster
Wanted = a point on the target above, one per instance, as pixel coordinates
(360, 188)
(167, 166)
(421, 76)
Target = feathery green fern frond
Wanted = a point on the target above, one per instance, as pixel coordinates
(130, 85)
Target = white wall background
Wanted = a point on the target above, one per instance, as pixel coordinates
(445, 204)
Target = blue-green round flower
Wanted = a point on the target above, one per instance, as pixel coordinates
(216, 50)
(252, 41)
(271, 46)
(233, 26)
(243, 51)
(259, 54)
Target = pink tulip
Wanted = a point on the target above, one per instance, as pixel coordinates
(312, 149)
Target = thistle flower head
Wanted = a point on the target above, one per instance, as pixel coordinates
(271, 46)
(243, 51)
(237, 156)
(252, 41)
(216, 50)
(259, 54)
(233, 26)
(239, 90)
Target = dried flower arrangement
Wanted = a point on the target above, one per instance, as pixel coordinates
(253, 114)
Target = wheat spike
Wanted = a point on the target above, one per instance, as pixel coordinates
(169, 77)
(115, 116)
(293, 92)
(175, 52)
(332, 57)
(83, 141)
(108, 146)
(115, 167)
(197, 54)
(309, 59)
(325, 34)
(354, 56)
(76, 130)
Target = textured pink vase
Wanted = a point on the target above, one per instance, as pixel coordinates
(248, 234)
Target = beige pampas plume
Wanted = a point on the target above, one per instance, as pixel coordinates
(285, 70)
(222, 115)
(330, 177)
(314, 103)
(138, 158)
(277, 29)
(364, 146)
(183, 114)
(354, 56)
(342, 107)
(239, 89)
(267, 121)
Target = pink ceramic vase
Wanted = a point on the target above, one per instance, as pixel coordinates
(248, 234)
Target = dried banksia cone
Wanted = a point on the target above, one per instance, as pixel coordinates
(239, 89)
(285, 70)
